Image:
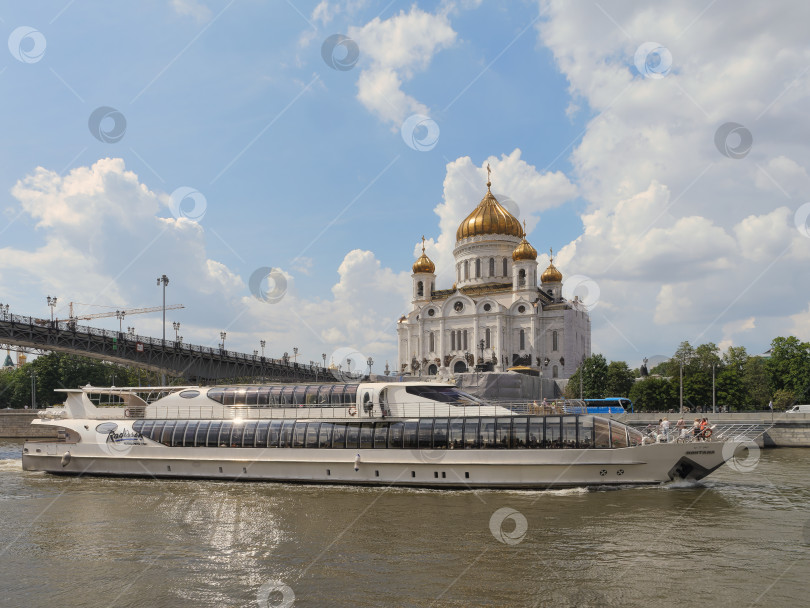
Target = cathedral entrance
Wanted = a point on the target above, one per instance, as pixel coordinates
(432, 369)
(460, 367)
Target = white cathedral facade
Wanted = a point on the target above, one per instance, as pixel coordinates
(495, 317)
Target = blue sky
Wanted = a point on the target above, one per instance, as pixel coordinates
(304, 168)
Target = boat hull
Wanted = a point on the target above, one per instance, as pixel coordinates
(518, 469)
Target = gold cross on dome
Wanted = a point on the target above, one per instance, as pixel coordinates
(489, 172)
(423, 243)
(550, 254)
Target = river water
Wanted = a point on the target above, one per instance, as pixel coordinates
(739, 538)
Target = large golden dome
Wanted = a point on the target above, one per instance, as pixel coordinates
(489, 217)
(524, 251)
(551, 274)
(424, 263)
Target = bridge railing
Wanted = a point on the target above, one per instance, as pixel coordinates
(75, 328)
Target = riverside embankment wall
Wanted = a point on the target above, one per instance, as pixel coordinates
(16, 424)
(787, 430)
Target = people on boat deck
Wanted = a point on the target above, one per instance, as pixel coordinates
(696, 428)
(680, 426)
(705, 429)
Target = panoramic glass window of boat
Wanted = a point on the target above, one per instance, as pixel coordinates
(444, 394)
(501, 432)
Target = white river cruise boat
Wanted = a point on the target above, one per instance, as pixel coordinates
(382, 433)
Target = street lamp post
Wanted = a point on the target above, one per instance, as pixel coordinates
(581, 374)
(33, 389)
(163, 280)
(681, 382)
(222, 335)
(295, 354)
(52, 304)
(131, 331)
(176, 326)
(323, 356)
(4, 311)
(369, 362)
(262, 343)
(120, 314)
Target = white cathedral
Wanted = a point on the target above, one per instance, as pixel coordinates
(495, 317)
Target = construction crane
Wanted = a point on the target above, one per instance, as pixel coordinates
(118, 313)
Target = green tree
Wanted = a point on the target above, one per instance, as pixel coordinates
(620, 379)
(654, 394)
(594, 372)
(755, 384)
(783, 399)
(60, 370)
(731, 391)
(789, 366)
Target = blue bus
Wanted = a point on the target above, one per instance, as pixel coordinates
(609, 405)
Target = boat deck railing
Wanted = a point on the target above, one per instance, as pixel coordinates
(342, 411)
(715, 433)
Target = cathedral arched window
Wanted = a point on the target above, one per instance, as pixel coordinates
(522, 339)
(420, 289)
(432, 287)
(555, 372)
(452, 340)
(432, 343)
(505, 269)
(487, 338)
(477, 268)
(554, 342)
(492, 267)
(465, 340)
(466, 269)
(521, 277)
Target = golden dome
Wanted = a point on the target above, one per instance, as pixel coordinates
(524, 251)
(424, 263)
(551, 274)
(489, 217)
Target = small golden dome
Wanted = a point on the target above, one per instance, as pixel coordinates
(424, 263)
(551, 274)
(489, 217)
(524, 251)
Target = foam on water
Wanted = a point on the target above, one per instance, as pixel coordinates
(10, 464)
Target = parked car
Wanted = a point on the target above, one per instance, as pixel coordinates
(799, 409)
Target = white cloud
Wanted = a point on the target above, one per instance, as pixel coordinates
(192, 8)
(129, 244)
(801, 324)
(367, 300)
(392, 51)
(730, 330)
(676, 233)
(520, 186)
(102, 239)
(324, 12)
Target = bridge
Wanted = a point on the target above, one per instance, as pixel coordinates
(192, 362)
